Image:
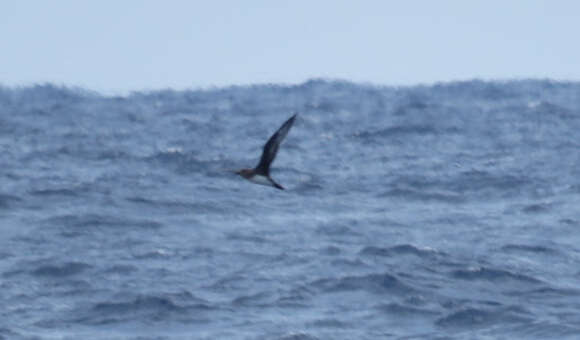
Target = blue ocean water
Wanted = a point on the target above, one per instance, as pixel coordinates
(448, 211)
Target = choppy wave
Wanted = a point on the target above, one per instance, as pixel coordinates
(426, 212)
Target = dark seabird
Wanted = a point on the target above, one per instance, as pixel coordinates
(261, 173)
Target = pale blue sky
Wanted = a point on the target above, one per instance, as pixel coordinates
(119, 46)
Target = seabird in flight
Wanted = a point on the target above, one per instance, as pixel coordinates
(261, 173)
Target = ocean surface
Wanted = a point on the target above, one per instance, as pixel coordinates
(448, 211)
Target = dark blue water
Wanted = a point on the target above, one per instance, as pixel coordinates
(432, 212)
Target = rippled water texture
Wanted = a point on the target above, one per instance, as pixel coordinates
(432, 212)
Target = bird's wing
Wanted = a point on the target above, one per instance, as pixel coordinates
(271, 147)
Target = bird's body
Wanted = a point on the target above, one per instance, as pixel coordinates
(261, 173)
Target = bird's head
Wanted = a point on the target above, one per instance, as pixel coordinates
(246, 173)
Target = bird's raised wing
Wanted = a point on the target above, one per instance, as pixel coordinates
(271, 147)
